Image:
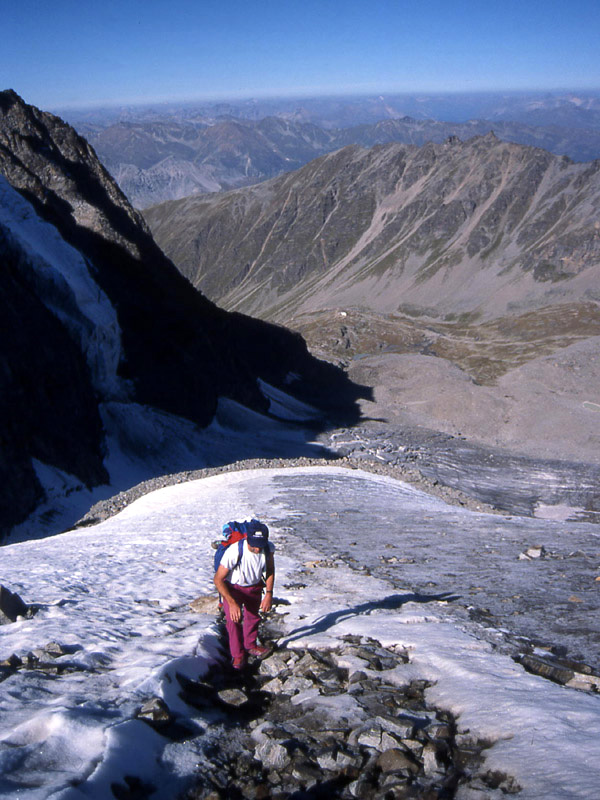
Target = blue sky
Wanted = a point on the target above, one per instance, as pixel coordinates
(89, 52)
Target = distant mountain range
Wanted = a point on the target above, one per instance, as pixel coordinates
(572, 109)
(105, 347)
(170, 151)
(158, 161)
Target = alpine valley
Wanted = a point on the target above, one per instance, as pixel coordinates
(460, 281)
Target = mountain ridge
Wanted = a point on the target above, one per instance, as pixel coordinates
(101, 328)
(158, 161)
(460, 281)
(394, 224)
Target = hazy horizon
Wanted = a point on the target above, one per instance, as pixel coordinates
(207, 100)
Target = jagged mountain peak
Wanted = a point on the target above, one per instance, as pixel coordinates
(48, 160)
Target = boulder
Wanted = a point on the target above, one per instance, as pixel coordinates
(11, 606)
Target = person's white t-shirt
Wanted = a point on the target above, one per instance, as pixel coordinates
(251, 568)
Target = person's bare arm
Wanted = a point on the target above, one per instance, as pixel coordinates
(267, 600)
(223, 588)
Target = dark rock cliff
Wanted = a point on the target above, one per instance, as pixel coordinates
(178, 351)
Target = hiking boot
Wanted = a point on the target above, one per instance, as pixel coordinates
(239, 662)
(259, 651)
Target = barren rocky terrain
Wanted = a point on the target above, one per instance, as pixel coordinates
(460, 281)
(480, 228)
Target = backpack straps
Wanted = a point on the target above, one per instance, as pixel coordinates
(240, 553)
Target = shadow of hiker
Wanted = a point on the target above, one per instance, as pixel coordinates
(390, 603)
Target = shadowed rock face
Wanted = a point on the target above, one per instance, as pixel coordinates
(482, 227)
(177, 352)
(48, 407)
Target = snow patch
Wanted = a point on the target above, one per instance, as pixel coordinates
(120, 591)
(559, 512)
(284, 406)
(68, 289)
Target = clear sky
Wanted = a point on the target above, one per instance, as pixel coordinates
(59, 53)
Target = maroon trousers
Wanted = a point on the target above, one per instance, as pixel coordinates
(242, 635)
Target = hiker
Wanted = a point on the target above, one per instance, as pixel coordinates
(244, 570)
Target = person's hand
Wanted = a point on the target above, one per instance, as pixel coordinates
(235, 612)
(267, 601)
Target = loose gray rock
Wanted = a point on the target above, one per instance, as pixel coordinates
(306, 774)
(155, 712)
(272, 755)
(233, 697)
(308, 665)
(12, 662)
(273, 665)
(293, 749)
(295, 684)
(399, 727)
(396, 760)
(370, 738)
(261, 732)
(273, 687)
(207, 604)
(55, 650)
(545, 668)
(431, 765)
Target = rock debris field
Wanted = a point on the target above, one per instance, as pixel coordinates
(376, 740)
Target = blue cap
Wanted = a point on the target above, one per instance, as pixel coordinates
(258, 536)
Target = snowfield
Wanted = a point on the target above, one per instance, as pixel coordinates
(116, 596)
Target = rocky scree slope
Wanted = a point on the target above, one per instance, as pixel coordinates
(93, 314)
(480, 227)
